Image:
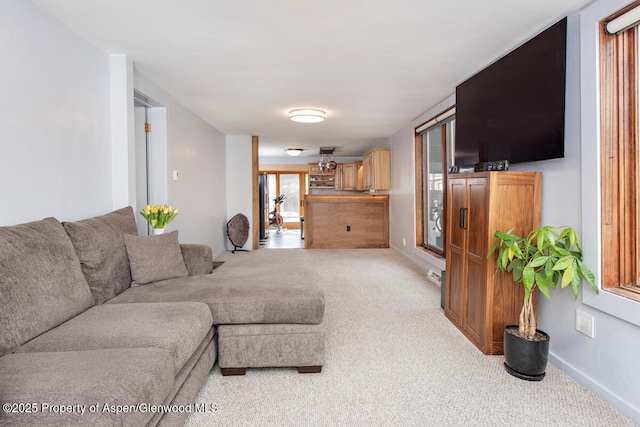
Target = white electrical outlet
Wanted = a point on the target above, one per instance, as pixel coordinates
(585, 323)
(404, 242)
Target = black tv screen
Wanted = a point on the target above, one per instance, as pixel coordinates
(514, 109)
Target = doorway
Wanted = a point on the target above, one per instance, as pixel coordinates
(150, 155)
(293, 186)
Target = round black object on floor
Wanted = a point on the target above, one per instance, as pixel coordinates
(238, 232)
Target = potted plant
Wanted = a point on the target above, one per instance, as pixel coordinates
(159, 216)
(547, 256)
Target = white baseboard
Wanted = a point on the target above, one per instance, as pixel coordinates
(417, 261)
(615, 400)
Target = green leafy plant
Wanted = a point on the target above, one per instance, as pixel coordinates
(159, 215)
(547, 255)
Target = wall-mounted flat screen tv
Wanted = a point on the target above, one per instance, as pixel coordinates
(515, 108)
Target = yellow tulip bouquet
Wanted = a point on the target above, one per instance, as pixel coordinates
(159, 216)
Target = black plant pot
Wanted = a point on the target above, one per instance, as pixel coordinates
(524, 358)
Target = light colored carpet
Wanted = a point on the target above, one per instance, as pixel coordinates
(392, 358)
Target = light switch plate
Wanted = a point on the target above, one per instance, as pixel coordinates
(585, 323)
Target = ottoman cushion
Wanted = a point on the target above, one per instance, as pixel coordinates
(237, 301)
(266, 346)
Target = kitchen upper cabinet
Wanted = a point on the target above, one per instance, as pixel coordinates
(349, 176)
(479, 300)
(377, 169)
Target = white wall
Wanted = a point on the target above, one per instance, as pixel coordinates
(55, 157)
(239, 181)
(198, 152)
(606, 364)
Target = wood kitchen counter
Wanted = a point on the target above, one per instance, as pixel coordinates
(347, 222)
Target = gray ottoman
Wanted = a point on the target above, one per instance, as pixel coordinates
(270, 345)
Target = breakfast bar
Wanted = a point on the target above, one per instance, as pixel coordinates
(346, 221)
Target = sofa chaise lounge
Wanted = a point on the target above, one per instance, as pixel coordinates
(100, 326)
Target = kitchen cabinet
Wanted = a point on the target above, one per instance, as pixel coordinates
(349, 176)
(479, 300)
(377, 169)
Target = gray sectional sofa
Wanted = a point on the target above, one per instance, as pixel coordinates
(99, 326)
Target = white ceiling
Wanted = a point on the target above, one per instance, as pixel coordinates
(373, 65)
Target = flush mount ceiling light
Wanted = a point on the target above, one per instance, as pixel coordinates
(307, 115)
(293, 152)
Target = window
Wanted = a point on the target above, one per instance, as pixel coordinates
(619, 159)
(434, 147)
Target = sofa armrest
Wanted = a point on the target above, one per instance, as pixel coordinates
(197, 258)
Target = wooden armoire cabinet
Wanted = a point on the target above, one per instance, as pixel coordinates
(479, 300)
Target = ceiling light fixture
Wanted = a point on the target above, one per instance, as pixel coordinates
(293, 152)
(307, 115)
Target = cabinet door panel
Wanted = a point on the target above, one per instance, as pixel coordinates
(349, 176)
(477, 217)
(456, 293)
(339, 177)
(476, 300)
(457, 204)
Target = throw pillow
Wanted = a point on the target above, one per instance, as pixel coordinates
(99, 245)
(154, 258)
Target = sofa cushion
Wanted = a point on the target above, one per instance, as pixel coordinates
(41, 282)
(155, 258)
(100, 247)
(239, 300)
(84, 378)
(176, 327)
(197, 258)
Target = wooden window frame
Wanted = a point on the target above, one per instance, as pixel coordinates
(620, 159)
(419, 185)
